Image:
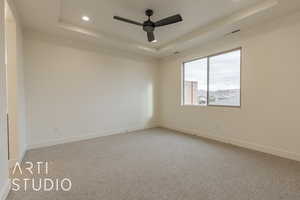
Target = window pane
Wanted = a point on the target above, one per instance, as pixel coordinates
(195, 82)
(224, 79)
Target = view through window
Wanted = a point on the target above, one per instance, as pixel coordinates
(213, 80)
(195, 82)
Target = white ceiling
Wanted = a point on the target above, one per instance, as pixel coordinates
(194, 12)
(202, 19)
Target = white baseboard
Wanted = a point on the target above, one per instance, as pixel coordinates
(88, 136)
(5, 190)
(236, 142)
(12, 162)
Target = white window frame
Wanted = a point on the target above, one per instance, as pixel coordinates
(208, 71)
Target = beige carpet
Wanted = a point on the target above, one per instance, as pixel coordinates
(159, 164)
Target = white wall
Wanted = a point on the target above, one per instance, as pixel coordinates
(19, 102)
(3, 133)
(15, 85)
(269, 118)
(11, 54)
(74, 92)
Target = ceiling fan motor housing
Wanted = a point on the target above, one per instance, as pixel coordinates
(148, 26)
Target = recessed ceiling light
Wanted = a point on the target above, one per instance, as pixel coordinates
(153, 41)
(85, 18)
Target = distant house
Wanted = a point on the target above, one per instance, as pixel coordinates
(191, 92)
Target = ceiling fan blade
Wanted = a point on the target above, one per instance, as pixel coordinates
(150, 36)
(169, 20)
(127, 20)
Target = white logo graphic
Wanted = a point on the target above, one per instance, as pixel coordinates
(38, 184)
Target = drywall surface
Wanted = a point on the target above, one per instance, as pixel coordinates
(75, 93)
(15, 84)
(3, 130)
(268, 119)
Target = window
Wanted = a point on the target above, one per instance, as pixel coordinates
(213, 80)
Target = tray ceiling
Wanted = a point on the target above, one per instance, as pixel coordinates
(203, 19)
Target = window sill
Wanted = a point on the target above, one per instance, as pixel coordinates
(211, 106)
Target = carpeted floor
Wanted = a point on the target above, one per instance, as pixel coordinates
(159, 164)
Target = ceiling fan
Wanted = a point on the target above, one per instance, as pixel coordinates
(149, 26)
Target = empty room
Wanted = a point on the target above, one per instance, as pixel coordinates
(149, 100)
